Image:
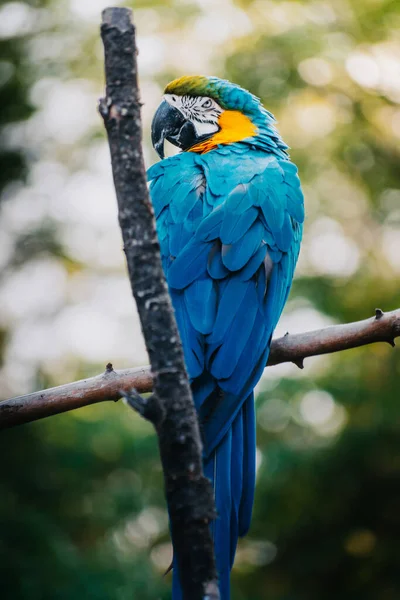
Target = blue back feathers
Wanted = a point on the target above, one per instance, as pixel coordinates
(229, 224)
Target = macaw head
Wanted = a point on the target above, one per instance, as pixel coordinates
(199, 113)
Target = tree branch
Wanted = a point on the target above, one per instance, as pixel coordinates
(384, 327)
(189, 494)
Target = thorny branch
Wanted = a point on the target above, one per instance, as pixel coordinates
(384, 327)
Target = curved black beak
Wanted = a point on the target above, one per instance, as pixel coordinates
(170, 124)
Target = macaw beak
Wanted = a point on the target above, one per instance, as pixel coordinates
(170, 124)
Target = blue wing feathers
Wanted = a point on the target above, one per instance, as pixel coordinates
(272, 208)
(240, 383)
(215, 267)
(188, 265)
(159, 198)
(229, 224)
(240, 200)
(201, 304)
(194, 218)
(191, 339)
(218, 220)
(254, 263)
(236, 336)
(230, 302)
(210, 227)
(235, 225)
(181, 207)
(235, 256)
(284, 235)
(180, 236)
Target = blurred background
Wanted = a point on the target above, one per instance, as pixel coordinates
(82, 512)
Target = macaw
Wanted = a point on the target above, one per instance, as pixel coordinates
(229, 213)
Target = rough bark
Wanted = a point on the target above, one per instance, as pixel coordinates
(189, 494)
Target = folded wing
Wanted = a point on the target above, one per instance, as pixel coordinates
(229, 259)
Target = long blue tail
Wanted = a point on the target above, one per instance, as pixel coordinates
(231, 469)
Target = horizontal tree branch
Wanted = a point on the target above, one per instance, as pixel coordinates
(384, 327)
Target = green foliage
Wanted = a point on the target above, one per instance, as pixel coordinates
(78, 501)
(14, 105)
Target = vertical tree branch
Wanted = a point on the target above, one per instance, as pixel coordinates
(189, 494)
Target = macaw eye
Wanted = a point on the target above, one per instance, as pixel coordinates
(207, 103)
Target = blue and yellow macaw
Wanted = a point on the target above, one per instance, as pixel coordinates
(229, 211)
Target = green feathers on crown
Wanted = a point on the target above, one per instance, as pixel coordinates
(228, 95)
(191, 85)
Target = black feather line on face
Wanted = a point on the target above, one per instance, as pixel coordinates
(193, 110)
(210, 121)
(188, 101)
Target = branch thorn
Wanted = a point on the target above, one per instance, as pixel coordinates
(148, 407)
(170, 568)
(378, 313)
(135, 401)
(103, 107)
(299, 362)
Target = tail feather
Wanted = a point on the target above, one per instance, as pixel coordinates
(176, 585)
(218, 469)
(236, 474)
(249, 465)
(231, 469)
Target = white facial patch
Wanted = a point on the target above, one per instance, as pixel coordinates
(205, 128)
(202, 111)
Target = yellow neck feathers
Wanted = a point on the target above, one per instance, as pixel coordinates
(234, 127)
